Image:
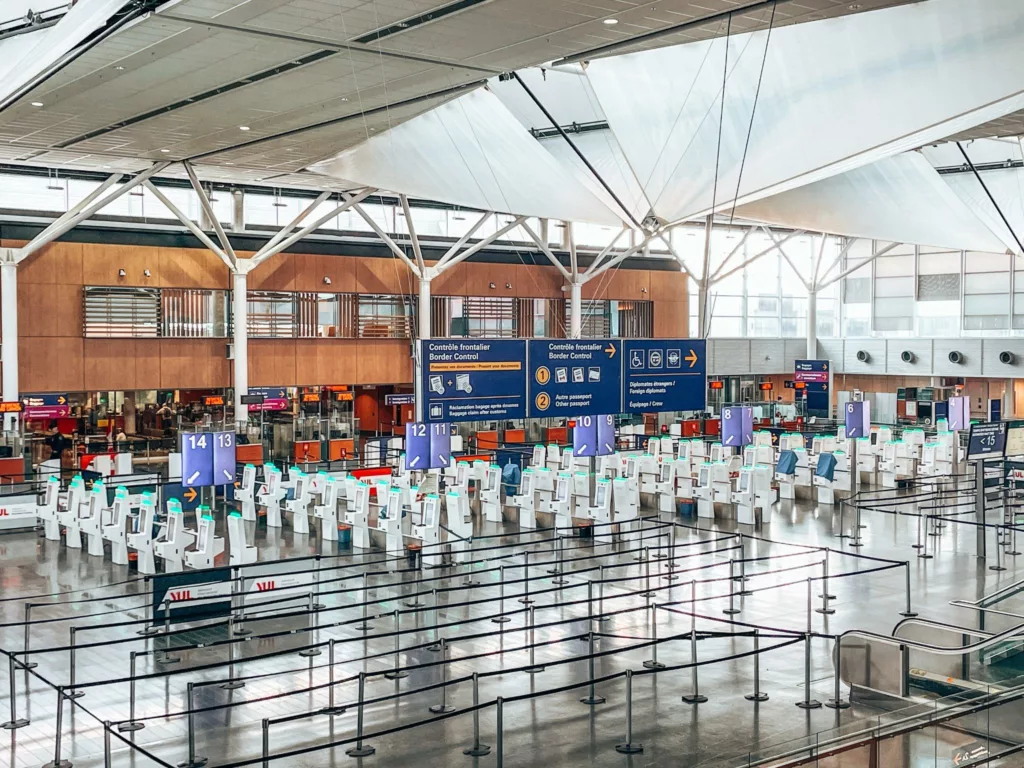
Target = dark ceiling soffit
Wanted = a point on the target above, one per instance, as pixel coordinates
(711, 18)
(417, 21)
(444, 92)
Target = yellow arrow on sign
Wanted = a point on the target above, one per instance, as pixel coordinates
(691, 358)
(61, 400)
(611, 351)
(190, 494)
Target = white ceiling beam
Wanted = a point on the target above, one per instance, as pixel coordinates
(785, 255)
(840, 256)
(746, 235)
(296, 221)
(450, 253)
(443, 266)
(604, 253)
(547, 252)
(675, 254)
(66, 223)
(859, 264)
(395, 249)
(265, 253)
(204, 201)
(751, 260)
(417, 252)
(189, 224)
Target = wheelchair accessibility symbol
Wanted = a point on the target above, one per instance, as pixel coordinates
(636, 359)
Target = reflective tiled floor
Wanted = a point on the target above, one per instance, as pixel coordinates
(66, 588)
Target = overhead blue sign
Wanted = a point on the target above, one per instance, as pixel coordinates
(224, 463)
(474, 379)
(584, 436)
(573, 376)
(197, 460)
(664, 375)
(605, 435)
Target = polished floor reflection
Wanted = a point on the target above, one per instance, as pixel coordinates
(68, 588)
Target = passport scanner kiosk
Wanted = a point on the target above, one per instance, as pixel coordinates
(327, 510)
(561, 504)
(116, 531)
(49, 509)
(526, 500)
(240, 551)
(391, 520)
(358, 516)
(428, 531)
(666, 485)
(245, 494)
(271, 494)
(460, 525)
(601, 511)
(625, 508)
(490, 494)
(141, 540)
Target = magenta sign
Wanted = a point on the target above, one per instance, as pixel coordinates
(811, 371)
(46, 406)
(274, 398)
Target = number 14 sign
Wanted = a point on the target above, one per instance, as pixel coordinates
(207, 458)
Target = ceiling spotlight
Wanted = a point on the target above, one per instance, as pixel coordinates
(119, 68)
(611, 22)
(121, 273)
(165, 150)
(243, 127)
(854, 6)
(145, 273)
(37, 103)
(327, 280)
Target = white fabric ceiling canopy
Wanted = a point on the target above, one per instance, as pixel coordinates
(899, 199)
(471, 151)
(835, 95)
(23, 57)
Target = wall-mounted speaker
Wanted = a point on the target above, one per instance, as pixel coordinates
(907, 356)
(956, 358)
(863, 356)
(1007, 358)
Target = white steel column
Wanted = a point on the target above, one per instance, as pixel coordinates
(240, 317)
(812, 325)
(9, 335)
(423, 332)
(575, 310)
(705, 281)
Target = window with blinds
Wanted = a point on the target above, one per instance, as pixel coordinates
(194, 313)
(120, 313)
(272, 314)
(604, 319)
(384, 317)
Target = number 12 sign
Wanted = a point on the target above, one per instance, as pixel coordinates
(427, 446)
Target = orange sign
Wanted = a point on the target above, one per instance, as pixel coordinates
(799, 385)
(212, 400)
(345, 397)
(311, 397)
(766, 386)
(716, 385)
(10, 407)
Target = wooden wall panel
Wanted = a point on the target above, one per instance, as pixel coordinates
(336, 361)
(310, 271)
(271, 362)
(192, 268)
(669, 286)
(620, 284)
(101, 262)
(51, 364)
(449, 283)
(274, 274)
(109, 364)
(55, 264)
(671, 320)
(37, 310)
(147, 363)
(193, 364)
(384, 361)
(383, 276)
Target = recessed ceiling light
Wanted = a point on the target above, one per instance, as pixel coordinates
(228, 163)
(119, 68)
(165, 150)
(37, 103)
(344, 98)
(243, 127)
(259, 179)
(611, 22)
(854, 6)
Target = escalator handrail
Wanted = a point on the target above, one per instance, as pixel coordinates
(941, 625)
(1017, 631)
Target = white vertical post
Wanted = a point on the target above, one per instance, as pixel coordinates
(1009, 406)
(240, 314)
(705, 280)
(9, 335)
(238, 211)
(575, 310)
(424, 331)
(812, 325)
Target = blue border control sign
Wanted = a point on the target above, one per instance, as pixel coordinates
(572, 376)
(473, 379)
(664, 375)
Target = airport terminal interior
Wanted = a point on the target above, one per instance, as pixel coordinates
(513, 383)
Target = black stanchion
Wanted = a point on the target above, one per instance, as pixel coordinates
(443, 707)
(591, 698)
(360, 749)
(757, 695)
(478, 749)
(628, 747)
(15, 722)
